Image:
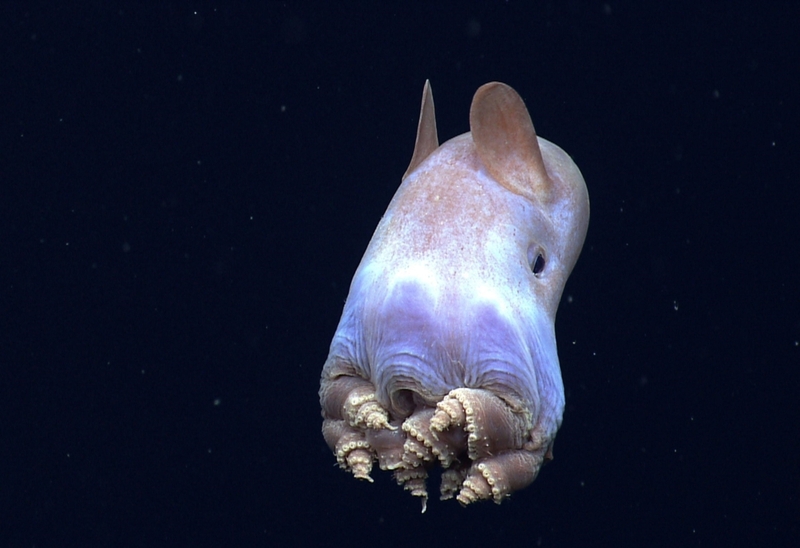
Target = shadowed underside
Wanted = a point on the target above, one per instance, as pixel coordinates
(445, 353)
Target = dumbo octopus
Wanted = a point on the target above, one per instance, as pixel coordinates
(446, 351)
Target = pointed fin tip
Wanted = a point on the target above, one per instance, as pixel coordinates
(427, 135)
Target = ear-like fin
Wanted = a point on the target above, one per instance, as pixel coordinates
(427, 136)
(506, 141)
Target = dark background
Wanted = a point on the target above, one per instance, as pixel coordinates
(188, 187)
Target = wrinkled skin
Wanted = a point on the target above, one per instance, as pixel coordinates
(446, 352)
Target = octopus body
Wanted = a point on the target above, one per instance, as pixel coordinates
(445, 353)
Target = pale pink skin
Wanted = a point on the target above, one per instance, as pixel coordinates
(446, 350)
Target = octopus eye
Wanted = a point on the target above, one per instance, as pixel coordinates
(538, 264)
(536, 259)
